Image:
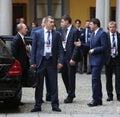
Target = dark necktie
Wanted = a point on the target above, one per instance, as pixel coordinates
(65, 33)
(114, 45)
(48, 44)
(93, 36)
(113, 40)
(28, 54)
(48, 37)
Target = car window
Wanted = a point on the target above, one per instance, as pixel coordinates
(4, 50)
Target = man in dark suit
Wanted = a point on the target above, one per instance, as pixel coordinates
(21, 51)
(46, 48)
(81, 37)
(69, 36)
(97, 50)
(46, 77)
(113, 61)
(87, 33)
(39, 27)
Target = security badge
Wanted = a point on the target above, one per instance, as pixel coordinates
(48, 48)
(113, 50)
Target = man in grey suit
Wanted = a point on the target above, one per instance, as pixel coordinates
(46, 49)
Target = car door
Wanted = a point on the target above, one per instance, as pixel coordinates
(30, 81)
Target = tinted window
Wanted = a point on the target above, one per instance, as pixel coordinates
(3, 49)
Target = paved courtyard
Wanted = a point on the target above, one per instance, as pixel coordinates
(78, 108)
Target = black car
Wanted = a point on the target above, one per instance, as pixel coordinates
(10, 73)
(10, 77)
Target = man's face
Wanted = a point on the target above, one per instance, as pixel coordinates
(87, 24)
(112, 28)
(24, 30)
(62, 24)
(77, 24)
(92, 26)
(50, 24)
(22, 20)
(43, 23)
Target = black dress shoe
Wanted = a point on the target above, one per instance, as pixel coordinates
(48, 99)
(36, 109)
(21, 103)
(88, 72)
(56, 109)
(118, 99)
(109, 99)
(68, 100)
(43, 101)
(94, 103)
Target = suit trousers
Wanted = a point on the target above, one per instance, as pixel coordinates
(48, 67)
(96, 83)
(112, 68)
(68, 76)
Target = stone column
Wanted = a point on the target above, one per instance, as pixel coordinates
(5, 17)
(107, 14)
(100, 11)
(118, 14)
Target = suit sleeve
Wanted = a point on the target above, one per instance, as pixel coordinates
(103, 45)
(75, 49)
(61, 51)
(33, 50)
(15, 48)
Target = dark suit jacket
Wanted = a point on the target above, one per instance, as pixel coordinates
(19, 51)
(99, 44)
(37, 52)
(71, 50)
(81, 34)
(33, 31)
(108, 54)
(88, 35)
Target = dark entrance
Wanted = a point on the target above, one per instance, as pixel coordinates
(19, 10)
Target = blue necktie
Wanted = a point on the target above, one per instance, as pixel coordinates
(92, 40)
(113, 40)
(65, 33)
(114, 44)
(48, 37)
(48, 42)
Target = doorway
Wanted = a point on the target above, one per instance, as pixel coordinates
(19, 10)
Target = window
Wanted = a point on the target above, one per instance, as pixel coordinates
(49, 7)
(112, 13)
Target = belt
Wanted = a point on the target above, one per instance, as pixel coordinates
(64, 52)
(44, 58)
(114, 56)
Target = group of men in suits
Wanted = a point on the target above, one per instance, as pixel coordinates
(104, 50)
(52, 50)
(84, 35)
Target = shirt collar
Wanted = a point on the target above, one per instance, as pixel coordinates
(47, 30)
(69, 27)
(22, 36)
(111, 34)
(96, 31)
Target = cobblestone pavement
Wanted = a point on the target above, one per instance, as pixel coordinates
(78, 108)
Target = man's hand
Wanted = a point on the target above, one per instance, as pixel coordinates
(78, 43)
(33, 65)
(27, 48)
(91, 51)
(59, 65)
(72, 62)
